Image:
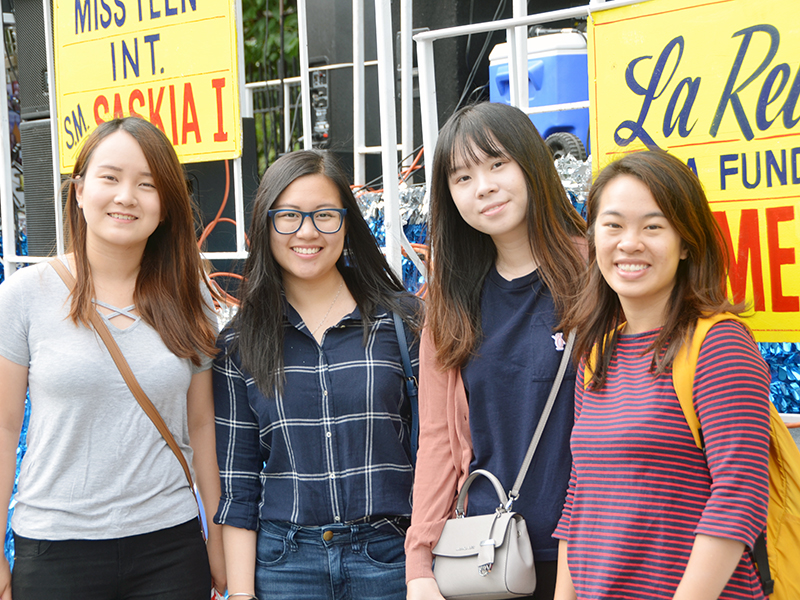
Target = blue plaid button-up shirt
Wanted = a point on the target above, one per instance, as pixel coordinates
(334, 446)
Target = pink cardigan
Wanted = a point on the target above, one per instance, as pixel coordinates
(443, 458)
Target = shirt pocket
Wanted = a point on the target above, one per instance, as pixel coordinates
(547, 347)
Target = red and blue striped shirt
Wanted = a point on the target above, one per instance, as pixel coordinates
(640, 489)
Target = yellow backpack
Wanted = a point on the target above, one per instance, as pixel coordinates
(780, 571)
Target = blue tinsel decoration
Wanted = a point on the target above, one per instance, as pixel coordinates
(783, 359)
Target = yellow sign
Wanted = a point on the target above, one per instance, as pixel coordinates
(715, 83)
(172, 62)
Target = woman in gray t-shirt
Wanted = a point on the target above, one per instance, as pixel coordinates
(104, 509)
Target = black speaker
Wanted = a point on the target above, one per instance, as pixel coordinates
(330, 41)
(37, 160)
(207, 185)
(32, 59)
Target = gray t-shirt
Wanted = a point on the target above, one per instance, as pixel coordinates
(96, 467)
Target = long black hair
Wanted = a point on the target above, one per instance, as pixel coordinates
(260, 321)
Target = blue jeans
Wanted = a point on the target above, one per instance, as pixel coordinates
(334, 562)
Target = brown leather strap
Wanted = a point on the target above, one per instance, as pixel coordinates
(151, 411)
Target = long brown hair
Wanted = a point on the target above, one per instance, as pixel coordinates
(167, 292)
(462, 255)
(700, 280)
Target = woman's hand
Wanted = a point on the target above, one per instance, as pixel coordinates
(423, 588)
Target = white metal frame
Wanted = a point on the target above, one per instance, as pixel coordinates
(395, 238)
(406, 82)
(516, 32)
(238, 187)
(360, 148)
(391, 190)
(288, 83)
(305, 92)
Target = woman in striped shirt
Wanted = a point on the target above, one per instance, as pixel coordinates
(647, 515)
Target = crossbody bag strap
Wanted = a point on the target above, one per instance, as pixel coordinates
(548, 407)
(127, 374)
(411, 384)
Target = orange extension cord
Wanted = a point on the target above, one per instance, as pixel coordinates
(225, 296)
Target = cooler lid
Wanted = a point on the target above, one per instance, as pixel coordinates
(544, 45)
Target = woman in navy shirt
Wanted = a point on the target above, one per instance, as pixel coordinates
(506, 247)
(312, 412)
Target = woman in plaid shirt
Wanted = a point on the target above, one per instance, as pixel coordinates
(312, 414)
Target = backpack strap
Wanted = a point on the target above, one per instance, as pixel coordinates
(411, 384)
(760, 556)
(684, 367)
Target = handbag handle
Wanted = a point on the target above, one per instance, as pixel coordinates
(462, 495)
(127, 374)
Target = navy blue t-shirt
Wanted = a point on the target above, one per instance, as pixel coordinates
(507, 384)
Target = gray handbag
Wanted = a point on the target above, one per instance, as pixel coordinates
(489, 557)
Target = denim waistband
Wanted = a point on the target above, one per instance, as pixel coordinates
(336, 533)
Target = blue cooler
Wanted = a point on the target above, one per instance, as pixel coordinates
(557, 73)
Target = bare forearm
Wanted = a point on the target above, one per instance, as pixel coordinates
(711, 564)
(206, 472)
(200, 413)
(13, 387)
(200, 410)
(423, 588)
(565, 589)
(240, 559)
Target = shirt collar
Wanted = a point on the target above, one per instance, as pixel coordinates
(293, 318)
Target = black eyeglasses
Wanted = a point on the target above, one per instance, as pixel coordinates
(287, 220)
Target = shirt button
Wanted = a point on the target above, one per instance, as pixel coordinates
(337, 519)
(328, 434)
(327, 536)
(324, 392)
(331, 475)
